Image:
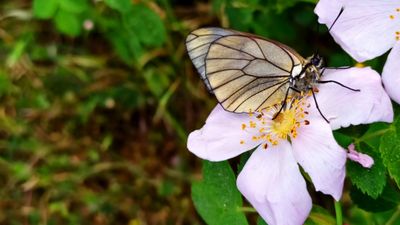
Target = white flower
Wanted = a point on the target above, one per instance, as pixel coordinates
(271, 180)
(367, 29)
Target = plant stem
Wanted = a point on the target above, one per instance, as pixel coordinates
(338, 211)
(247, 209)
(394, 217)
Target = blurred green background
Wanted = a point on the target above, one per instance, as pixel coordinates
(98, 97)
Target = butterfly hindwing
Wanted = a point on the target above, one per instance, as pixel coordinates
(245, 72)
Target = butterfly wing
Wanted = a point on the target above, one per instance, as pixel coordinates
(245, 72)
(198, 44)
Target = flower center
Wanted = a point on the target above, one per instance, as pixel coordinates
(284, 123)
(265, 127)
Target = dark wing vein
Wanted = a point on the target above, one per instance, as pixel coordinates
(291, 59)
(261, 50)
(239, 50)
(279, 83)
(270, 96)
(250, 75)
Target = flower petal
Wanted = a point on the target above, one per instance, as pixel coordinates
(221, 137)
(272, 183)
(363, 159)
(344, 107)
(391, 74)
(321, 157)
(366, 29)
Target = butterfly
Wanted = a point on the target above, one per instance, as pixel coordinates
(248, 73)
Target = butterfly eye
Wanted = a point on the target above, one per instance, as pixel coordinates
(317, 61)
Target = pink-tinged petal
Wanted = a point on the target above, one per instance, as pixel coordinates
(391, 74)
(327, 10)
(272, 183)
(363, 159)
(321, 157)
(344, 107)
(366, 29)
(222, 137)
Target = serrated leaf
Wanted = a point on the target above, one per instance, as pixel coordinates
(44, 9)
(390, 151)
(373, 205)
(120, 5)
(370, 181)
(146, 25)
(216, 197)
(68, 23)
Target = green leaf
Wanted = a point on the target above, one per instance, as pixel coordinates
(5, 84)
(216, 197)
(343, 139)
(146, 25)
(44, 9)
(260, 221)
(373, 135)
(120, 5)
(369, 181)
(320, 216)
(240, 18)
(243, 159)
(74, 6)
(68, 23)
(157, 83)
(385, 202)
(390, 151)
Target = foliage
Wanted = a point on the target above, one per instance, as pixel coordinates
(98, 97)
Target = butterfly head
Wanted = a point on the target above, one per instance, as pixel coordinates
(317, 61)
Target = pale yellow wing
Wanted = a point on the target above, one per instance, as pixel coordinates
(245, 72)
(198, 43)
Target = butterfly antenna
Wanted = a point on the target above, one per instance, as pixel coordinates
(338, 83)
(337, 17)
(316, 104)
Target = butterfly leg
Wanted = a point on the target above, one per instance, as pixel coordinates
(284, 101)
(316, 104)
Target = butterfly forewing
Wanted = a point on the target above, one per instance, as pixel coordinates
(198, 43)
(245, 72)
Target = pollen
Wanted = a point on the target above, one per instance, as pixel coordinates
(241, 142)
(270, 128)
(359, 65)
(398, 10)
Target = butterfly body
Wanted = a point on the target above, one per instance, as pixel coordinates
(249, 73)
(309, 75)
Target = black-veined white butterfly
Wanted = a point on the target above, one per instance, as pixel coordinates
(248, 73)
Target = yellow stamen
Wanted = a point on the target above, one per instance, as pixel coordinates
(391, 17)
